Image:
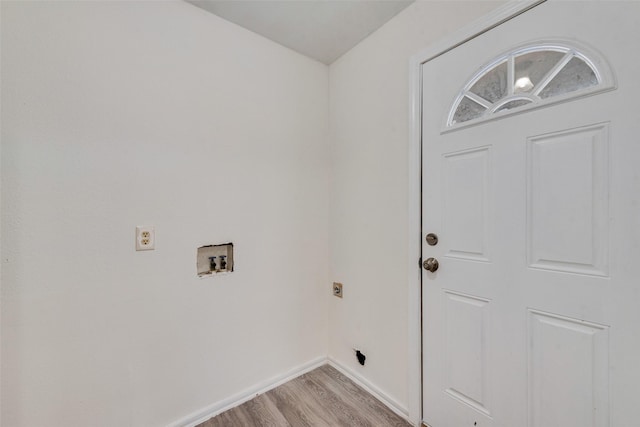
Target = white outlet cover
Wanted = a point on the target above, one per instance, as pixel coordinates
(145, 238)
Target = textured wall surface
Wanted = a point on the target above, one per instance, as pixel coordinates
(117, 114)
(369, 118)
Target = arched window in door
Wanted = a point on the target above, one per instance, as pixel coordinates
(529, 77)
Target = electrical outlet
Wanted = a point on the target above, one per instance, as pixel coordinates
(145, 238)
(337, 289)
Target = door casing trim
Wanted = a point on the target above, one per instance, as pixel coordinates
(500, 15)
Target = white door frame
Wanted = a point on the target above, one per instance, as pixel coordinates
(502, 14)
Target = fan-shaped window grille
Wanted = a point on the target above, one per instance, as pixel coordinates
(529, 77)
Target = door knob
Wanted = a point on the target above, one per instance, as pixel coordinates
(430, 264)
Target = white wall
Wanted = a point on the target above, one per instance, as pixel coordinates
(117, 114)
(1, 262)
(369, 117)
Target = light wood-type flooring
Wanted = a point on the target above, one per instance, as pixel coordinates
(321, 398)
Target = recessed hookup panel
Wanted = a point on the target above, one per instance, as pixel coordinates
(214, 259)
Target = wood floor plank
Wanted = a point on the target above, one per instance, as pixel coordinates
(338, 404)
(357, 397)
(226, 418)
(321, 398)
(265, 413)
(298, 406)
(259, 411)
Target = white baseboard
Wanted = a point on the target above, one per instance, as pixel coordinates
(374, 390)
(210, 411)
(214, 409)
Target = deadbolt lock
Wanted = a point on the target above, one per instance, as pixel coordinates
(432, 239)
(431, 264)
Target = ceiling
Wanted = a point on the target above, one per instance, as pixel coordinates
(320, 29)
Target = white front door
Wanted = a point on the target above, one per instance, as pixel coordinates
(533, 315)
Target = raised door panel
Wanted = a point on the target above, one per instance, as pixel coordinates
(568, 372)
(568, 196)
(465, 204)
(467, 350)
